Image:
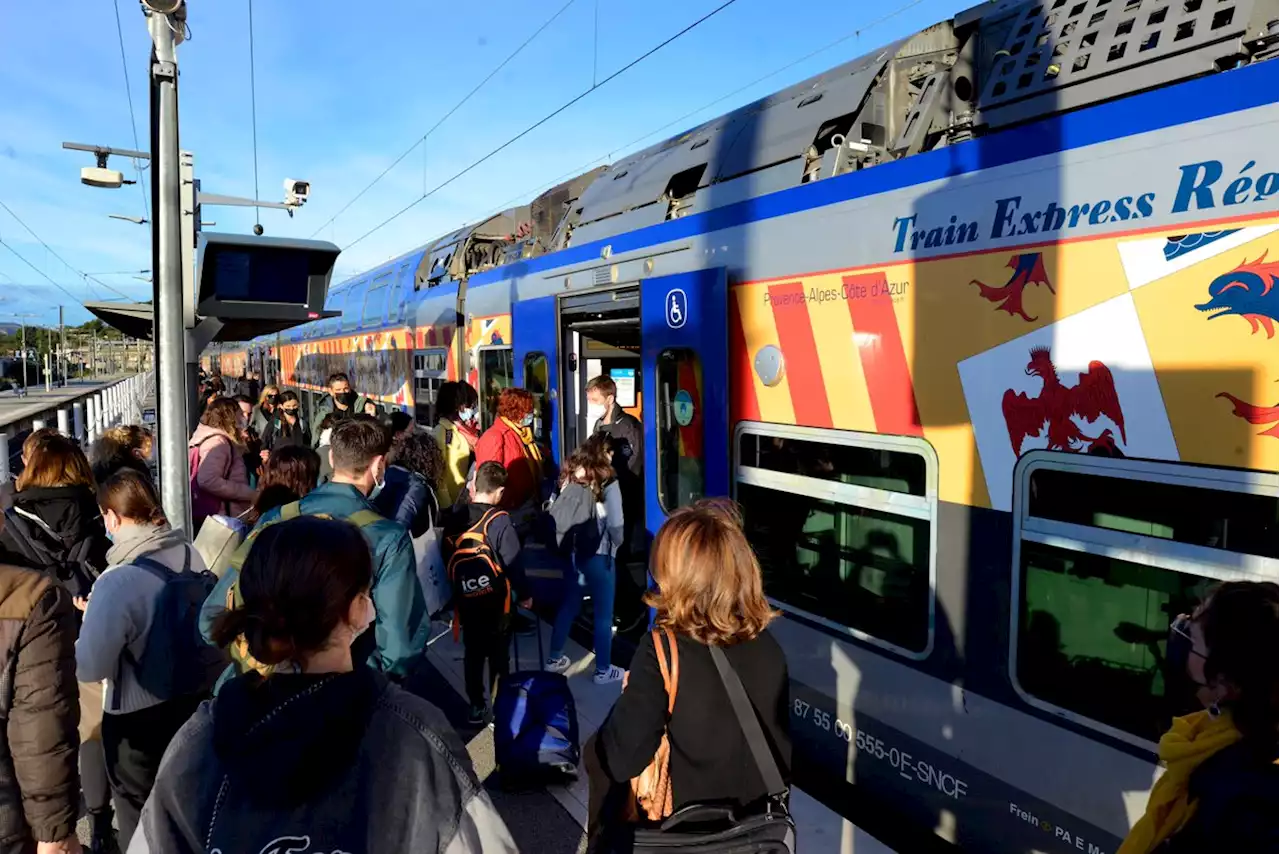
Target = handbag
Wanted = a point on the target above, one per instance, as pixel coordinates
(437, 592)
(718, 829)
(651, 788)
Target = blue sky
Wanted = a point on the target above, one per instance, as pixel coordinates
(341, 94)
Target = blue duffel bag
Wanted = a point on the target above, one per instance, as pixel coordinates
(535, 726)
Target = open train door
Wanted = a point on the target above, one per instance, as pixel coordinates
(685, 352)
(534, 328)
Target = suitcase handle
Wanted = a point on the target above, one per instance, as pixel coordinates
(515, 642)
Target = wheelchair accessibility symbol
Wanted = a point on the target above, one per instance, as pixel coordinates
(677, 308)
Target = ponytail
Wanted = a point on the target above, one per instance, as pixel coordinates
(131, 495)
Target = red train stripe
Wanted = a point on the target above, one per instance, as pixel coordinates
(743, 403)
(884, 358)
(804, 371)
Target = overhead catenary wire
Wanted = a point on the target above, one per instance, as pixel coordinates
(51, 251)
(421, 141)
(540, 122)
(609, 156)
(42, 273)
(253, 103)
(133, 120)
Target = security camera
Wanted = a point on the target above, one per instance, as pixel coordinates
(257, 229)
(296, 192)
(98, 176)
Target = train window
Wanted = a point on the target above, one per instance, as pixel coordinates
(1109, 551)
(536, 377)
(375, 301)
(429, 371)
(497, 371)
(680, 473)
(844, 526)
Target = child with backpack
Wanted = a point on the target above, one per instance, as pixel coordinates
(482, 552)
(140, 635)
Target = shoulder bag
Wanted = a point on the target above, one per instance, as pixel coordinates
(713, 829)
(651, 789)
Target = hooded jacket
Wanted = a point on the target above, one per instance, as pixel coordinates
(334, 762)
(401, 623)
(221, 472)
(121, 610)
(72, 514)
(39, 786)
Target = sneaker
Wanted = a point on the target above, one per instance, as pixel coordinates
(613, 674)
(557, 665)
(475, 714)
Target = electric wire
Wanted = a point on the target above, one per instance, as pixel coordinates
(540, 122)
(422, 140)
(51, 251)
(253, 101)
(23, 259)
(609, 156)
(133, 120)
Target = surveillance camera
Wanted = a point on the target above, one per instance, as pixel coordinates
(296, 192)
(257, 229)
(96, 176)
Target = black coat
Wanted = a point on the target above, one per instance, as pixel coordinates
(1235, 795)
(72, 513)
(278, 433)
(710, 758)
(407, 498)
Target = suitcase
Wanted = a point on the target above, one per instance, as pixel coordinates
(535, 726)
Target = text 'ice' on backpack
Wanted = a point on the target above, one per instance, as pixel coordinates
(51, 553)
(360, 649)
(176, 662)
(475, 571)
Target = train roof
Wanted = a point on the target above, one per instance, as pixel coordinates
(994, 66)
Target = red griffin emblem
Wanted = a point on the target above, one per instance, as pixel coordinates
(1062, 408)
(1027, 270)
(1255, 414)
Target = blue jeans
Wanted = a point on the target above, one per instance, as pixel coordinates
(597, 576)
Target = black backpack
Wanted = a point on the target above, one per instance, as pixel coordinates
(176, 661)
(66, 562)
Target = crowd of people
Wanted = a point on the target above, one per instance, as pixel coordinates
(188, 705)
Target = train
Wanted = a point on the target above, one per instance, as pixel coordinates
(979, 331)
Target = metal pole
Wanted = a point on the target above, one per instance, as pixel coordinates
(46, 371)
(62, 347)
(24, 367)
(64, 421)
(77, 419)
(170, 335)
(4, 457)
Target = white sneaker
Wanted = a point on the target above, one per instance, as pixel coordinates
(557, 665)
(613, 674)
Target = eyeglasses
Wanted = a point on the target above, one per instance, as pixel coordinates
(1182, 628)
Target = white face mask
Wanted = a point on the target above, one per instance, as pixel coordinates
(595, 411)
(527, 421)
(379, 481)
(324, 435)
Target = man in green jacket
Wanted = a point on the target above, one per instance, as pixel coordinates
(358, 450)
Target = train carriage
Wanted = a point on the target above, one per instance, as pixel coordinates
(979, 329)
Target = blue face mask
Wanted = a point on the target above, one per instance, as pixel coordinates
(527, 421)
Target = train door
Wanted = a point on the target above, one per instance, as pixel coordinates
(684, 363)
(533, 334)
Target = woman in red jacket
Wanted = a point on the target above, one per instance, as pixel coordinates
(510, 442)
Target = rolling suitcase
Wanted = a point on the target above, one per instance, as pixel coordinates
(535, 725)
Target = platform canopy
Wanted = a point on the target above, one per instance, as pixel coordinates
(134, 319)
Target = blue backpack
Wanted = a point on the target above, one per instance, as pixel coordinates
(176, 661)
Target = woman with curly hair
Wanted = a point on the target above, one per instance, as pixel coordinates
(126, 446)
(510, 442)
(408, 495)
(289, 473)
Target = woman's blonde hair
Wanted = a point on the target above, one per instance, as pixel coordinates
(266, 391)
(709, 585)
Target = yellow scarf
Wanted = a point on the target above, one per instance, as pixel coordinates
(1191, 740)
(532, 453)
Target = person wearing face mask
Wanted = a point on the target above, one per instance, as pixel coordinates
(625, 435)
(262, 413)
(358, 453)
(344, 402)
(324, 752)
(1218, 789)
(221, 478)
(287, 426)
(511, 443)
(455, 433)
(137, 724)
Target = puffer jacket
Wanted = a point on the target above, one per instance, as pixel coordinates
(326, 762)
(71, 513)
(222, 472)
(400, 627)
(39, 701)
(407, 498)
